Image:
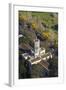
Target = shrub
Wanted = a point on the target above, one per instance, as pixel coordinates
(46, 35)
(23, 18)
(34, 25)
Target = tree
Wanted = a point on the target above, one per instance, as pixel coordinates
(53, 67)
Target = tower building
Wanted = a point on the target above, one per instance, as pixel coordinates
(36, 47)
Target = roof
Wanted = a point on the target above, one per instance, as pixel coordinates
(36, 40)
(20, 35)
(45, 55)
(35, 59)
(25, 54)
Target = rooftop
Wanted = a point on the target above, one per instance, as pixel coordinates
(45, 55)
(25, 54)
(36, 59)
(20, 35)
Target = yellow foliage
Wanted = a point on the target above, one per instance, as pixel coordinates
(46, 35)
(24, 17)
(34, 25)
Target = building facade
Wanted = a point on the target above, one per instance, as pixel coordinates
(36, 47)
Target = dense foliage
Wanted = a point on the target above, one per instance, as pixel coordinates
(43, 25)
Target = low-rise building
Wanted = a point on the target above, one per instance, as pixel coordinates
(38, 53)
(42, 51)
(20, 35)
(25, 55)
(36, 60)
